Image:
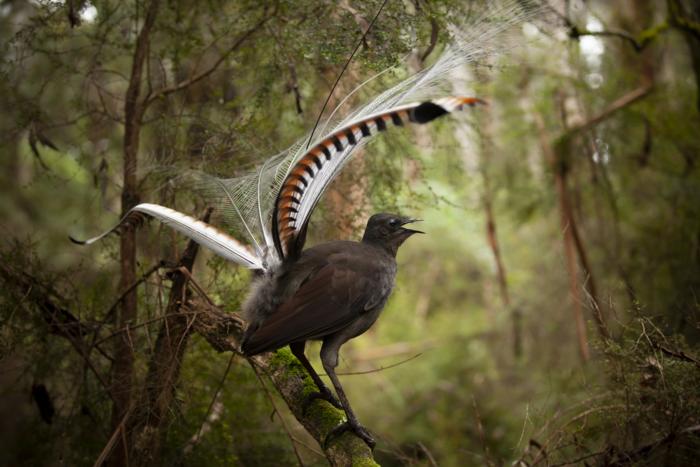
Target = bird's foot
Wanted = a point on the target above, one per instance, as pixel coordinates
(324, 394)
(353, 426)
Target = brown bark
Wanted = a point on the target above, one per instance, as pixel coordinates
(571, 266)
(492, 237)
(559, 154)
(564, 211)
(573, 245)
(618, 104)
(563, 152)
(495, 248)
(590, 281)
(134, 109)
(122, 372)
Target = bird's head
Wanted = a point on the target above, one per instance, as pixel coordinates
(388, 231)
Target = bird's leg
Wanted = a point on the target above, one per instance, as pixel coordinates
(329, 357)
(324, 393)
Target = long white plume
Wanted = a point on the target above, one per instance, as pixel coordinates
(206, 235)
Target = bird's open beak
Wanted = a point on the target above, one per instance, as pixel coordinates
(411, 231)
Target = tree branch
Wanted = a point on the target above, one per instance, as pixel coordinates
(557, 154)
(678, 354)
(61, 321)
(122, 371)
(613, 457)
(564, 214)
(622, 102)
(223, 331)
(638, 43)
(203, 74)
(149, 423)
(681, 21)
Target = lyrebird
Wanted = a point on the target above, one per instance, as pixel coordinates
(331, 292)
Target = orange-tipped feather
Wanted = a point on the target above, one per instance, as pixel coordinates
(318, 166)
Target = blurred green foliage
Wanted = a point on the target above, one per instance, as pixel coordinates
(453, 392)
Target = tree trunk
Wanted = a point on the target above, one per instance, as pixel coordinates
(122, 372)
(572, 269)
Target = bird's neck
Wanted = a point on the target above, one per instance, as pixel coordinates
(383, 246)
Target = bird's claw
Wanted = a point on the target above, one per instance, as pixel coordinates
(355, 427)
(326, 395)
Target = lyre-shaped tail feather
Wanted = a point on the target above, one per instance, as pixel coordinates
(205, 234)
(311, 174)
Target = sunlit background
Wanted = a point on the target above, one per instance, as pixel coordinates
(550, 313)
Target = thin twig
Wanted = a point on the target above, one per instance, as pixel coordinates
(113, 439)
(575, 33)
(482, 436)
(637, 43)
(428, 454)
(199, 76)
(376, 370)
(583, 414)
(274, 406)
(434, 34)
(142, 324)
(330, 94)
(622, 102)
(310, 448)
(578, 461)
(135, 284)
(194, 283)
(195, 439)
(679, 354)
(61, 321)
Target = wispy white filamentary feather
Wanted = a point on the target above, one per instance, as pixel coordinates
(271, 206)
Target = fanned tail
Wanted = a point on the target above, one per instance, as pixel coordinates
(272, 205)
(205, 234)
(313, 172)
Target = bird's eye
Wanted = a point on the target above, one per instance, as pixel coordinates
(394, 222)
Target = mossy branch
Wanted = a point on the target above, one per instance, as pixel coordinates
(639, 42)
(223, 331)
(677, 19)
(680, 19)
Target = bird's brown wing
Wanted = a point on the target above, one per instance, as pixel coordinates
(327, 302)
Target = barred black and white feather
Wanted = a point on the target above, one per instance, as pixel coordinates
(316, 169)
